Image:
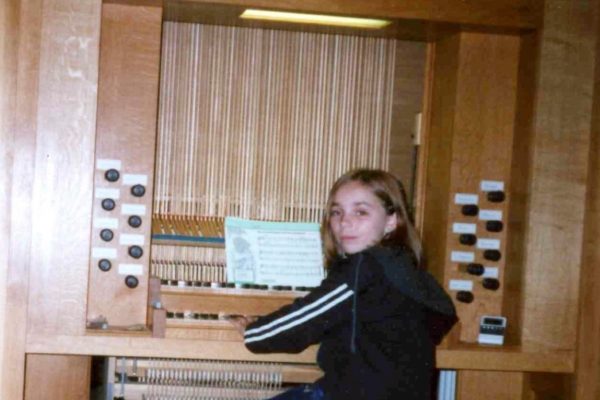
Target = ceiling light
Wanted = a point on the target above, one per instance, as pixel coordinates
(314, 19)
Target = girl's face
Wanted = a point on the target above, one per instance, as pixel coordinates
(357, 218)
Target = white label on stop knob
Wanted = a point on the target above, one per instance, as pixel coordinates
(462, 256)
(131, 269)
(135, 179)
(133, 209)
(491, 244)
(461, 284)
(127, 239)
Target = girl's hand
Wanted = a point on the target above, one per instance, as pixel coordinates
(241, 322)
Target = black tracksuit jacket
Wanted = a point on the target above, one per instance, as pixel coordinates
(377, 318)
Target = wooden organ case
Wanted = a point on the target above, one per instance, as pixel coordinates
(187, 135)
(250, 122)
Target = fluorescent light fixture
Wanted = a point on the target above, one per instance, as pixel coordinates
(314, 19)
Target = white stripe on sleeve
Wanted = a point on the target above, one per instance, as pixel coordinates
(298, 321)
(302, 310)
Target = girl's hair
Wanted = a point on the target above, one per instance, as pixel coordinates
(391, 192)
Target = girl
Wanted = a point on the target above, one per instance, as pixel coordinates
(377, 315)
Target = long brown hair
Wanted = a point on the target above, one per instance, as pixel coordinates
(391, 192)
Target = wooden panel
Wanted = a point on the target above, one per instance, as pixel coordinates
(227, 301)
(481, 150)
(473, 385)
(587, 376)
(459, 357)
(473, 104)
(503, 358)
(559, 174)
(28, 20)
(150, 3)
(422, 151)
(553, 386)
(61, 206)
(522, 151)
(438, 152)
(127, 113)
(228, 15)
(8, 72)
(53, 377)
(408, 103)
(511, 13)
(218, 331)
(127, 345)
(10, 345)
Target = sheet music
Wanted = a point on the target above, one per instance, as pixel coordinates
(273, 253)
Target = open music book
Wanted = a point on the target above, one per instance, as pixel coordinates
(273, 253)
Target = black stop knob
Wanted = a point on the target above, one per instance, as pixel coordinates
(467, 239)
(138, 190)
(469, 210)
(496, 196)
(134, 221)
(135, 251)
(106, 235)
(464, 296)
(475, 269)
(494, 226)
(112, 175)
(131, 281)
(104, 265)
(108, 204)
(491, 283)
(492, 255)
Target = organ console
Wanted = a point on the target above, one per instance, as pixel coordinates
(200, 116)
(238, 134)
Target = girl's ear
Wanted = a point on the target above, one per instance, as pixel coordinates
(391, 223)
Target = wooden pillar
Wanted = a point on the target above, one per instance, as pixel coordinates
(559, 169)
(51, 197)
(12, 343)
(63, 159)
(587, 378)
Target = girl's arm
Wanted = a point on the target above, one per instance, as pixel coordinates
(294, 327)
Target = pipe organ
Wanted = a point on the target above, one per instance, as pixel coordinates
(201, 116)
(251, 123)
